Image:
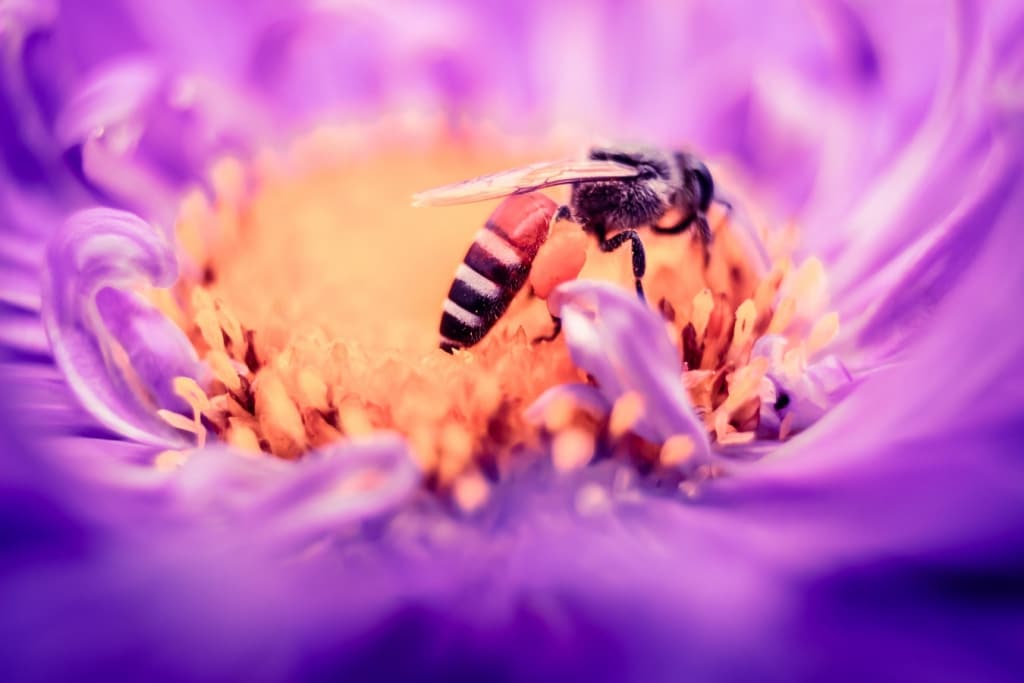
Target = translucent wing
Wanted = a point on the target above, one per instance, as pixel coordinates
(525, 179)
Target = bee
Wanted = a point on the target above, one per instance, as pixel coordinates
(615, 192)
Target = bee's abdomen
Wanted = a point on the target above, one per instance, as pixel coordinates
(494, 269)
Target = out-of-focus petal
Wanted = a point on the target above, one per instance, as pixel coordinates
(291, 504)
(624, 346)
(887, 305)
(119, 355)
(138, 135)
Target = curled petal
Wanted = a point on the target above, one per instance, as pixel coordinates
(119, 354)
(295, 503)
(623, 345)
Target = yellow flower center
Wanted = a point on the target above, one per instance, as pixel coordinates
(315, 300)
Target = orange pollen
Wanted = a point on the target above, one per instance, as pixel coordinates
(315, 302)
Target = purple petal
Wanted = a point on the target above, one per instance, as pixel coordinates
(930, 266)
(886, 545)
(90, 318)
(138, 135)
(624, 346)
(291, 504)
(807, 396)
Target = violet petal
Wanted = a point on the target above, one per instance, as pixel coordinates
(295, 503)
(806, 392)
(137, 134)
(91, 328)
(623, 345)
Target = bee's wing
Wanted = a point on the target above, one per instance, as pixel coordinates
(520, 180)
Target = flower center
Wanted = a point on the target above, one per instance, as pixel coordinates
(315, 300)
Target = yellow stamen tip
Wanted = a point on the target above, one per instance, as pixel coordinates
(786, 427)
(783, 316)
(312, 390)
(191, 392)
(224, 370)
(470, 492)
(703, 304)
(823, 332)
(241, 436)
(559, 413)
(736, 438)
(354, 420)
(676, 450)
(626, 412)
(168, 461)
(572, 449)
(278, 417)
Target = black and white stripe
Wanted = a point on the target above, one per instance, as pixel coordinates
(487, 280)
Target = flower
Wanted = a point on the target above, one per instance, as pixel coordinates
(880, 541)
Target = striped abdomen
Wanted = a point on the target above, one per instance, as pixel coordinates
(495, 268)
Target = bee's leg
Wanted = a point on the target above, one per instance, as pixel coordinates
(639, 257)
(554, 333)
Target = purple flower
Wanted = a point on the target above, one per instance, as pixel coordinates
(881, 541)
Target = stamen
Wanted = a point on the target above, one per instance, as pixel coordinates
(224, 370)
(783, 316)
(572, 449)
(195, 397)
(558, 413)
(471, 491)
(279, 418)
(626, 412)
(823, 332)
(242, 436)
(677, 450)
(808, 287)
(168, 461)
(785, 427)
(703, 304)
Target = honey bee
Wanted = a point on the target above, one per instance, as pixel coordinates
(615, 192)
